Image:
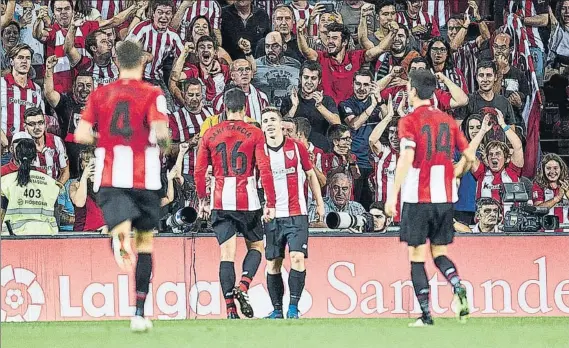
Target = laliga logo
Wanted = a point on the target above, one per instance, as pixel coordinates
(25, 287)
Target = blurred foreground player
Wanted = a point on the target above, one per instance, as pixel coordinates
(428, 139)
(131, 119)
(291, 166)
(234, 148)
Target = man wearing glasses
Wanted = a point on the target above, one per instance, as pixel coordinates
(338, 200)
(276, 73)
(241, 75)
(51, 154)
(341, 159)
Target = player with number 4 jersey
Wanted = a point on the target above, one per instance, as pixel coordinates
(428, 139)
(131, 118)
(234, 149)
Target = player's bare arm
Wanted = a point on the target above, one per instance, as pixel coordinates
(84, 133)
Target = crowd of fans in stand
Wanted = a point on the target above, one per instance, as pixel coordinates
(336, 69)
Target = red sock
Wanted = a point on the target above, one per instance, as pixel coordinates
(244, 283)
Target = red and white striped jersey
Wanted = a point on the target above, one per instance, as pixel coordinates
(126, 154)
(561, 209)
(102, 75)
(159, 44)
(53, 157)
(488, 183)
(434, 135)
(383, 173)
(214, 85)
(62, 72)
(440, 100)
(383, 176)
(289, 162)
(304, 13)
(255, 103)
(234, 149)
(14, 100)
(184, 125)
(531, 8)
(456, 76)
(317, 153)
(268, 6)
(439, 9)
(109, 8)
(423, 18)
(466, 60)
(207, 8)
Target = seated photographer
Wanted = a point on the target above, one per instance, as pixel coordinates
(338, 200)
(488, 216)
(499, 166)
(551, 187)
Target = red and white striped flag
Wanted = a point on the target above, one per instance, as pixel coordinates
(522, 59)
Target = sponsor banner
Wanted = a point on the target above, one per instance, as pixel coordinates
(77, 279)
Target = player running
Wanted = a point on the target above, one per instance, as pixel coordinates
(291, 166)
(428, 139)
(233, 148)
(131, 119)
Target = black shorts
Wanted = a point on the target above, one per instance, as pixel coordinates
(141, 207)
(291, 230)
(227, 223)
(420, 221)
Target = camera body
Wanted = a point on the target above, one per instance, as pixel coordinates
(342, 221)
(525, 218)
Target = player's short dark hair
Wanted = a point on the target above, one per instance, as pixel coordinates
(377, 205)
(303, 126)
(158, 3)
(311, 65)
(207, 38)
(383, 3)
(91, 40)
(424, 83)
(363, 72)
(335, 131)
(234, 100)
(486, 64)
(129, 55)
(33, 111)
(340, 28)
(273, 110)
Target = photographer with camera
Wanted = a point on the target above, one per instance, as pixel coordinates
(488, 215)
(551, 187)
(338, 200)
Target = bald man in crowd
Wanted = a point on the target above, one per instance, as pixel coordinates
(276, 73)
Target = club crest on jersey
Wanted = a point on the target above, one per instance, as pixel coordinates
(349, 67)
(290, 154)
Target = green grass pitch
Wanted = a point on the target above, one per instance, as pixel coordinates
(488, 332)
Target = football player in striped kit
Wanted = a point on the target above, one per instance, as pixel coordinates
(291, 167)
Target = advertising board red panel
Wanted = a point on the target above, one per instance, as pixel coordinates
(77, 279)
